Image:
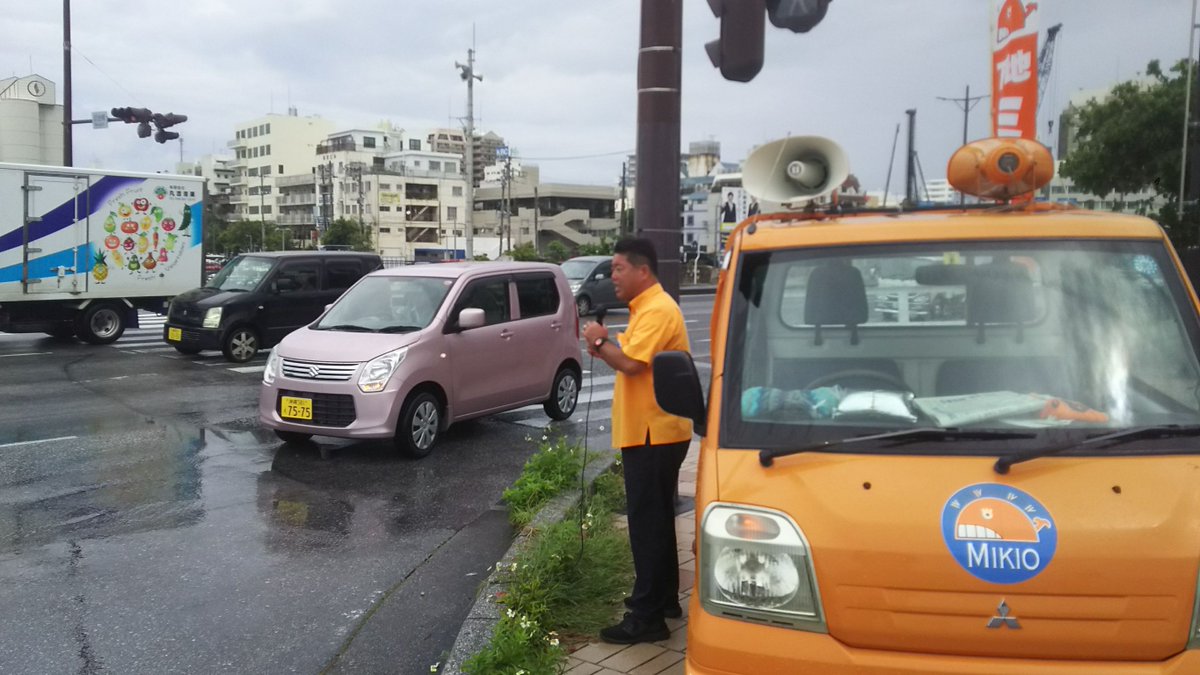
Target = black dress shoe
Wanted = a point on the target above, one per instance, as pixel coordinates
(632, 630)
(672, 611)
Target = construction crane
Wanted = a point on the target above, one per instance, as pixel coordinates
(1046, 61)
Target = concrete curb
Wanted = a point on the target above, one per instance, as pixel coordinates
(477, 627)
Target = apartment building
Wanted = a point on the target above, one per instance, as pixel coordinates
(266, 148)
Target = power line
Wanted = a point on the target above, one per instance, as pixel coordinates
(75, 50)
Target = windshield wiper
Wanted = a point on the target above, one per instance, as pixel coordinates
(1154, 431)
(767, 457)
(353, 328)
(399, 329)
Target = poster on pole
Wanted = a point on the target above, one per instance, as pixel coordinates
(1014, 68)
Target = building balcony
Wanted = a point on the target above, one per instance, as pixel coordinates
(295, 220)
(297, 200)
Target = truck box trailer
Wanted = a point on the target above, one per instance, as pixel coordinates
(81, 250)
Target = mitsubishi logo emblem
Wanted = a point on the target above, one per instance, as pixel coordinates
(1002, 619)
(313, 371)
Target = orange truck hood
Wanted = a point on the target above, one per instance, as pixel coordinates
(1093, 559)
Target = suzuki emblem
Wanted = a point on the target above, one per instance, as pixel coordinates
(1002, 618)
(313, 371)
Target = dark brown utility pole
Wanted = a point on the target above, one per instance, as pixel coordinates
(68, 151)
(656, 204)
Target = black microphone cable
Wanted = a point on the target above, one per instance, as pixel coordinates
(587, 430)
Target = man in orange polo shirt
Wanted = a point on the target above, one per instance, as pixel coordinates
(653, 443)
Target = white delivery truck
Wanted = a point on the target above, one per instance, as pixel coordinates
(82, 250)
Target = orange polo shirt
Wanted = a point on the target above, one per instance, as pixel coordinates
(655, 325)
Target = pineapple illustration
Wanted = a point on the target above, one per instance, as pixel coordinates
(100, 267)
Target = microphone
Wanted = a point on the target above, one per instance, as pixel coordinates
(600, 314)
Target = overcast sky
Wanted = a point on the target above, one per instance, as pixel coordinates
(559, 75)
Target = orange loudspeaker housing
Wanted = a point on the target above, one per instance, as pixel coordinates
(1000, 168)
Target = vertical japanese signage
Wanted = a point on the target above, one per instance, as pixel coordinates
(1014, 69)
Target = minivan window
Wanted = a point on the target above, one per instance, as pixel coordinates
(577, 269)
(387, 305)
(537, 296)
(245, 273)
(490, 295)
(299, 278)
(1064, 335)
(341, 274)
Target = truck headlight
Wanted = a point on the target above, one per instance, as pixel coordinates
(378, 371)
(274, 361)
(755, 566)
(212, 318)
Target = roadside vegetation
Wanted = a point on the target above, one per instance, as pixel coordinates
(569, 580)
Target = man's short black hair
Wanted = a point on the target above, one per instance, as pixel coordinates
(638, 252)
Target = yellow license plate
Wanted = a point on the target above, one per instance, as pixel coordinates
(175, 335)
(295, 408)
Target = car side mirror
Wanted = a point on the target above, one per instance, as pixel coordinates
(328, 306)
(284, 285)
(471, 317)
(677, 389)
(600, 276)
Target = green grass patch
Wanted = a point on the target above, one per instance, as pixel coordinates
(554, 467)
(569, 579)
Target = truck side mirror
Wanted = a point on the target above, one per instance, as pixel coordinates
(677, 389)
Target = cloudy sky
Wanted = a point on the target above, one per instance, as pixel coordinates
(559, 76)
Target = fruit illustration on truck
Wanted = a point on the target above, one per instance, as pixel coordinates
(149, 263)
(141, 204)
(112, 241)
(110, 223)
(187, 219)
(168, 224)
(129, 227)
(100, 267)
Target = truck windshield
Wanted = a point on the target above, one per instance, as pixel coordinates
(830, 344)
(243, 273)
(387, 305)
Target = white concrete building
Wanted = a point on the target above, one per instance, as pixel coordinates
(268, 147)
(31, 123)
(939, 191)
(218, 171)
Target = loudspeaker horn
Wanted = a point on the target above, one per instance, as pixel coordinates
(795, 169)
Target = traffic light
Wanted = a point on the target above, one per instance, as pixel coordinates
(739, 51)
(132, 115)
(164, 121)
(144, 118)
(798, 16)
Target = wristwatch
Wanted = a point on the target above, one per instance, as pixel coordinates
(599, 342)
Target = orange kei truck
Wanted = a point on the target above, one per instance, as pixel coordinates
(945, 441)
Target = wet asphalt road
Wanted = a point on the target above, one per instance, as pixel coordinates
(147, 525)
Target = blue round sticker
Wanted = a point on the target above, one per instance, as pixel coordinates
(998, 533)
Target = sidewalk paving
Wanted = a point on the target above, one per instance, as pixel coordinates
(666, 656)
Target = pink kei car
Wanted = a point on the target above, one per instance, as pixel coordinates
(406, 352)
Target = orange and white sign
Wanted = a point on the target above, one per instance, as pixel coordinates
(1014, 69)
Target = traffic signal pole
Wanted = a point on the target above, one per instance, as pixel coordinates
(656, 203)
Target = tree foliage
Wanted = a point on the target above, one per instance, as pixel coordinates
(524, 253)
(1130, 141)
(241, 236)
(605, 247)
(557, 252)
(345, 232)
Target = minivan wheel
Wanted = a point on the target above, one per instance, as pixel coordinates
(241, 344)
(420, 424)
(563, 395)
(293, 437)
(584, 304)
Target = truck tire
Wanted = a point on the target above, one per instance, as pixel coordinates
(101, 323)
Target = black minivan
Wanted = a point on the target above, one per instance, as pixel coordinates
(258, 298)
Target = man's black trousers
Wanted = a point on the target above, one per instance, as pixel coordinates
(651, 475)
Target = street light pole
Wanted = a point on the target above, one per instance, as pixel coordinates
(68, 141)
(467, 72)
(261, 215)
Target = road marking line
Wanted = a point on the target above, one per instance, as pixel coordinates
(43, 440)
(5, 356)
(249, 369)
